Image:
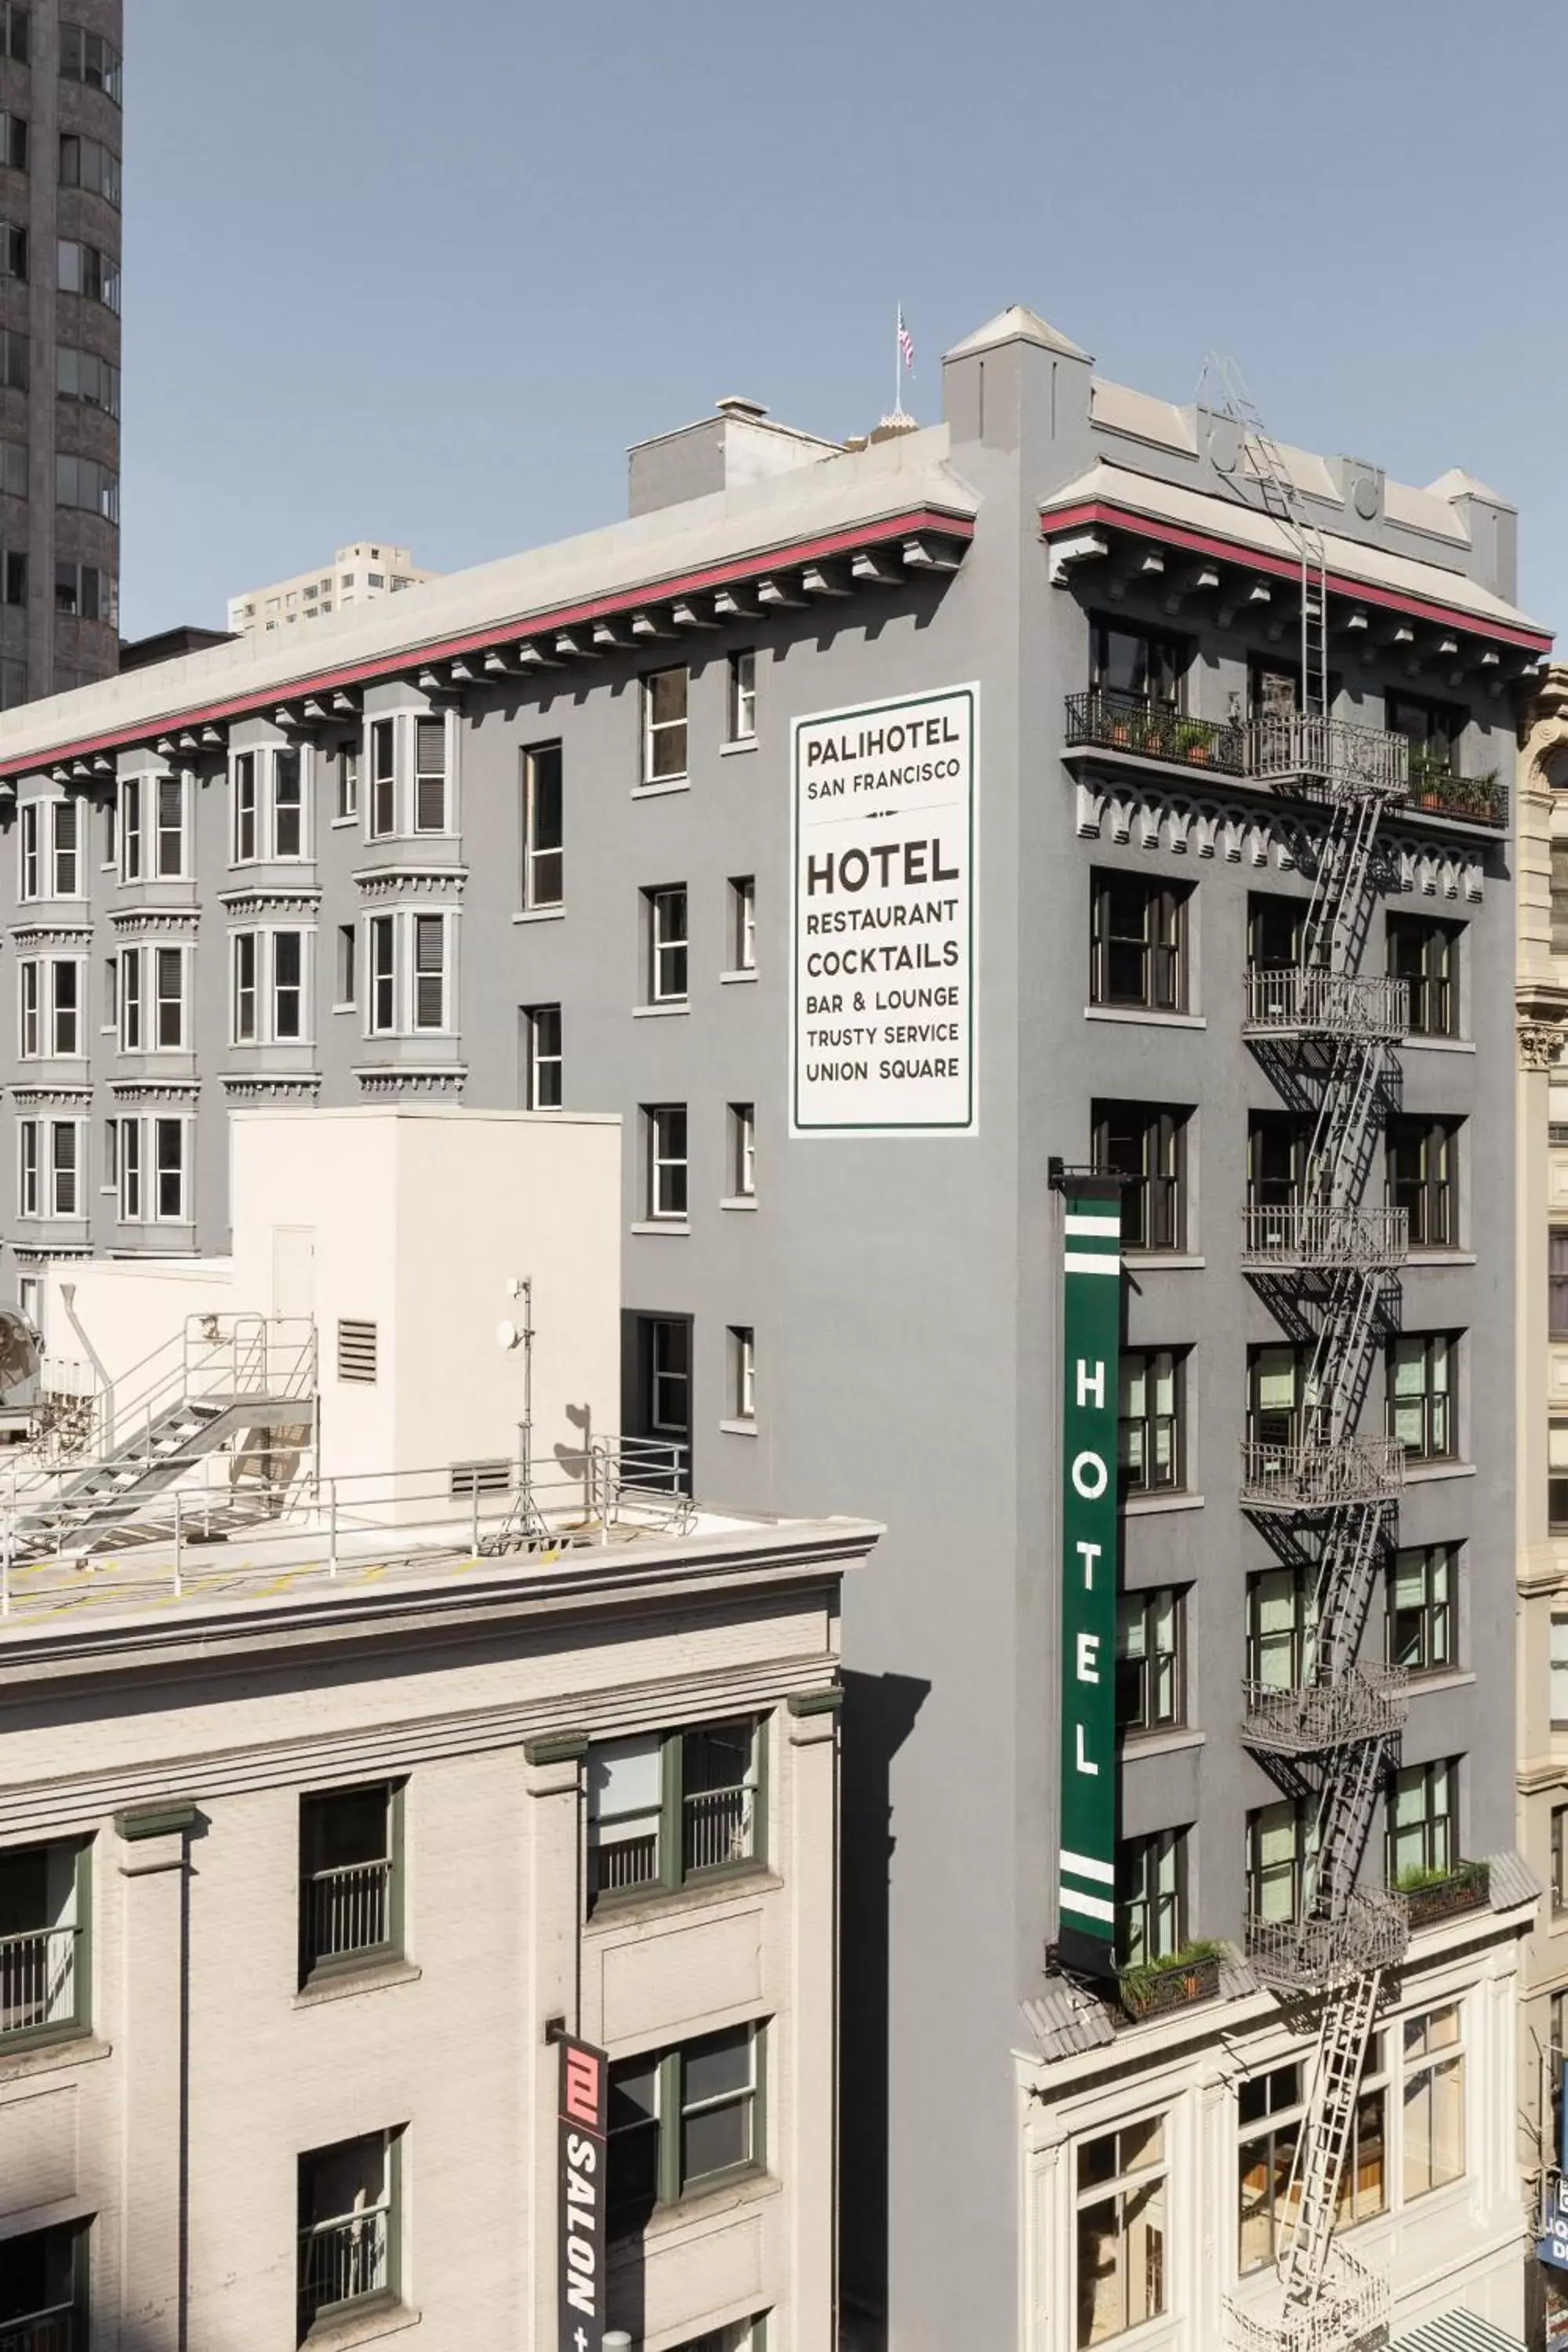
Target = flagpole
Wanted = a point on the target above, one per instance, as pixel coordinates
(899, 361)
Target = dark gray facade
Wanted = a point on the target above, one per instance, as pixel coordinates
(902, 1294)
(59, 311)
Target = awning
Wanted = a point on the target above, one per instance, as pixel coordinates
(1457, 2331)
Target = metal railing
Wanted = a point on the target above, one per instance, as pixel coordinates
(719, 1827)
(54, 2330)
(615, 1864)
(1293, 1001)
(1441, 789)
(1107, 720)
(219, 1357)
(38, 1980)
(341, 2261)
(1367, 1703)
(348, 1909)
(1313, 1955)
(1322, 1473)
(1353, 2309)
(1291, 745)
(1325, 1234)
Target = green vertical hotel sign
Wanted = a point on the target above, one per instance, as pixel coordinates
(1091, 1339)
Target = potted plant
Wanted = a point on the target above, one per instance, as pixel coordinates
(1433, 1894)
(1193, 743)
(1176, 1980)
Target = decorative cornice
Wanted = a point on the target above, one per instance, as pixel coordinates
(155, 1090)
(433, 1078)
(139, 920)
(263, 899)
(259, 1085)
(27, 1254)
(1148, 818)
(46, 1091)
(1540, 1043)
(25, 936)
(435, 881)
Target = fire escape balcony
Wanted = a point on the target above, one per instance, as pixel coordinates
(1351, 2313)
(1322, 1473)
(1315, 1955)
(1315, 1718)
(1327, 1236)
(1295, 1001)
(1327, 758)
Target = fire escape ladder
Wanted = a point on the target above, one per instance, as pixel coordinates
(1318, 2164)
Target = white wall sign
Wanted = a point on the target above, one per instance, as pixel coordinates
(882, 925)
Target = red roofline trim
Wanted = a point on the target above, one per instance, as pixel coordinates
(1344, 583)
(908, 525)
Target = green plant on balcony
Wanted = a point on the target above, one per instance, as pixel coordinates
(1172, 1981)
(1436, 1893)
(1192, 741)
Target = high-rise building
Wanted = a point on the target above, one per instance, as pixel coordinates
(60, 141)
(1084, 779)
(359, 574)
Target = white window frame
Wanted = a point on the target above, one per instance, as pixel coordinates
(180, 779)
(744, 923)
(29, 1133)
(1122, 2188)
(39, 1173)
(742, 1151)
(143, 1137)
(743, 1339)
(133, 798)
(534, 856)
(651, 775)
(258, 944)
(246, 795)
(669, 944)
(661, 1158)
(302, 754)
(399, 987)
(349, 764)
(253, 796)
(39, 1009)
(130, 1173)
(742, 683)
(133, 1001)
(397, 795)
(244, 988)
(40, 851)
(30, 830)
(538, 1061)
(158, 952)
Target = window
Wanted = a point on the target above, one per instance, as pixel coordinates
(44, 1992)
(1277, 1142)
(158, 1148)
(86, 593)
(87, 270)
(67, 848)
(657, 1376)
(14, 368)
(382, 777)
(288, 805)
(1422, 1171)
(744, 1151)
(1142, 662)
(245, 1029)
(245, 807)
(742, 698)
(83, 482)
(13, 250)
(129, 1172)
(1138, 949)
(287, 986)
(1150, 1671)
(542, 1049)
(350, 1890)
(1273, 689)
(1557, 1476)
(88, 58)
(1422, 1381)
(543, 867)
(1282, 1628)
(1269, 2109)
(667, 945)
(169, 998)
(1559, 1672)
(668, 1807)
(665, 1127)
(664, 696)
(410, 974)
(1559, 1859)
(51, 990)
(430, 971)
(44, 2286)
(170, 854)
(349, 2199)
(1146, 1145)
(170, 1141)
(357, 1353)
(1422, 1822)
(348, 780)
(430, 775)
(30, 824)
(112, 994)
(1120, 2228)
(383, 973)
(743, 1372)
(347, 992)
(13, 141)
(1433, 2116)
(16, 23)
(1557, 1282)
(1422, 1608)
(1150, 1430)
(131, 1025)
(50, 853)
(1433, 729)
(1425, 955)
(14, 469)
(1276, 930)
(49, 1153)
(680, 2121)
(1279, 1845)
(131, 802)
(743, 923)
(89, 163)
(1151, 1896)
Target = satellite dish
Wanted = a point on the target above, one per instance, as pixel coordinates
(19, 1351)
(507, 1335)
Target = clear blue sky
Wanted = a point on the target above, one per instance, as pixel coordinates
(424, 267)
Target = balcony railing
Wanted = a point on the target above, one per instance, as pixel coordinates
(1325, 1234)
(1302, 746)
(1321, 1474)
(1296, 1001)
(348, 1910)
(719, 1823)
(341, 2261)
(1435, 786)
(38, 1982)
(1108, 721)
(54, 2330)
(616, 1863)
(1368, 1702)
(1311, 1954)
(1351, 2313)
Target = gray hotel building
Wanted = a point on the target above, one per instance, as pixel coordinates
(562, 831)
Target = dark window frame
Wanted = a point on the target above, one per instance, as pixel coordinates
(668, 2180)
(1160, 946)
(1429, 1641)
(1145, 1438)
(1421, 1175)
(1148, 1143)
(1424, 953)
(332, 1918)
(1152, 1677)
(1435, 1405)
(1164, 658)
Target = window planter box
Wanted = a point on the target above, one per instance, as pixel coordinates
(1467, 1888)
(1162, 1985)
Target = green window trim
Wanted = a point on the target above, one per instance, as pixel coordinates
(673, 2187)
(316, 1966)
(28, 1978)
(673, 1869)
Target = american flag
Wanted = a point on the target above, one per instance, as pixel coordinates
(906, 345)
